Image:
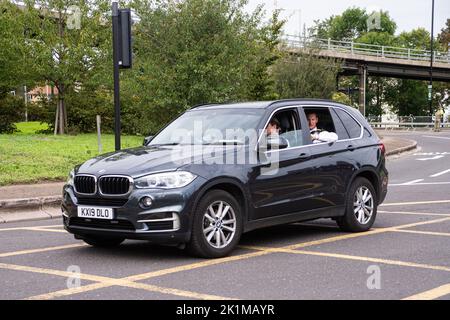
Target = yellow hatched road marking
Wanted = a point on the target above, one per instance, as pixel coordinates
(431, 294)
(356, 235)
(30, 228)
(176, 292)
(416, 213)
(128, 284)
(149, 275)
(45, 230)
(207, 263)
(59, 273)
(52, 226)
(424, 232)
(18, 253)
(193, 266)
(69, 292)
(107, 282)
(352, 257)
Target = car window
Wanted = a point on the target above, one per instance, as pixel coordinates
(351, 125)
(320, 122)
(295, 138)
(340, 129)
(289, 127)
(210, 126)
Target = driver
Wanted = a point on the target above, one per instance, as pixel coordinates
(273, 131)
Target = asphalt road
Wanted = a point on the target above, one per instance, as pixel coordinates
(406, 255)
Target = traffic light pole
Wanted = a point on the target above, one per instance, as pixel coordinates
(116, 50)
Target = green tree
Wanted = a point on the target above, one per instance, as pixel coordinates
(15, 68)
(195, 51)
(351, 24)
(261, 79)
(408, 97)
(415, 39)
(341, 98)
(444, 36)
(306, 76)
(377, 38)
(11, 111)
(69, 42)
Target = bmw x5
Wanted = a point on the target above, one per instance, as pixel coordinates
(213, 173)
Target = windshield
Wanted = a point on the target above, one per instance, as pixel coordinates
(211, 126)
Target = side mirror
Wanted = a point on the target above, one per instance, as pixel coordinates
(147, 140)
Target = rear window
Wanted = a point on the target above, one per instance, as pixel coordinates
(351, 125)
(340, 129)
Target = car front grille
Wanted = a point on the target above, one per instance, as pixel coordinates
(113, 185)
(101, 224)
(114, 202)
(85, 184)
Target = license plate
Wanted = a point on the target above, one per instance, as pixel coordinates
(95, 212)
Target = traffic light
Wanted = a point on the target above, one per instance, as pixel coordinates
(125, 52)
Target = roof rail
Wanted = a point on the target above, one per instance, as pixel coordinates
(202, 105)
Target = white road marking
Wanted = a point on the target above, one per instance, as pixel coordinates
(433, 158)
(431, 153)
(414, 203)
(440, 173)
(446, 138)
(418, 184)
(407, 183)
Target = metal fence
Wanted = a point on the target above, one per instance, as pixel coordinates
(366, 49)
(406, 122)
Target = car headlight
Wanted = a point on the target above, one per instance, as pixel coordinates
(165, 180)
(70, 177)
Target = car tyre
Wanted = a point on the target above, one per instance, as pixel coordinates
(360, 207)
(103, 242)
(217, 225)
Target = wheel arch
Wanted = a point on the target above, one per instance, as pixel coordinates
(370, 174)
(230, 185)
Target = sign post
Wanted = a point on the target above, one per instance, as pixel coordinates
(122, 56)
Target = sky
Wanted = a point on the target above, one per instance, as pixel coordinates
(408, 14)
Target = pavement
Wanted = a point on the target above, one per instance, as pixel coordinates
(24, 202)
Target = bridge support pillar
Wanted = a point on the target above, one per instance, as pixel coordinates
(362, 89)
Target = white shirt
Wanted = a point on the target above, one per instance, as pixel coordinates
(319, 136)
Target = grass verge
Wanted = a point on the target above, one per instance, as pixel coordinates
(27, 157)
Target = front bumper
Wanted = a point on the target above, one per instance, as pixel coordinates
(130, 219)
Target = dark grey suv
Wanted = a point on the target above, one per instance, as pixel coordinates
(217, 171)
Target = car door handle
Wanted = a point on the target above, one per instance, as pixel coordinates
(304, 156)
(351, 147)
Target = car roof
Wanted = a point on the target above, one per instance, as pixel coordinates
(264, 104)
(272, 105)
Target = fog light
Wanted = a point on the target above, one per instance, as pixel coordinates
(146, 202)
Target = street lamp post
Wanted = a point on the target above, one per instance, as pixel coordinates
(430, 87)
(299, 22)
(275, 3)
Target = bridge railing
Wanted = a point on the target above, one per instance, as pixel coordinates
(366, 49)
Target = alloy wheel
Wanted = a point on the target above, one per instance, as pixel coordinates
(363, 205)
(219, 224)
